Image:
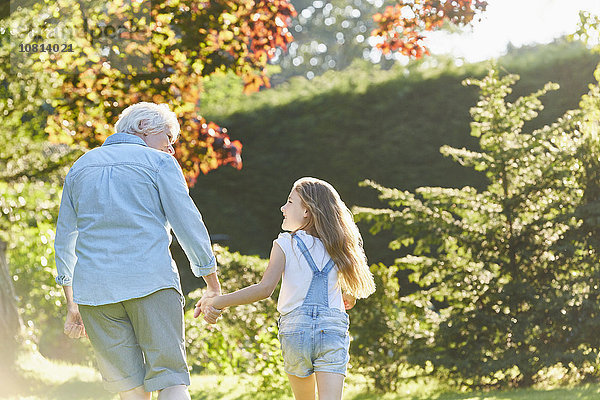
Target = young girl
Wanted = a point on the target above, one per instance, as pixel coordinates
(320, 258)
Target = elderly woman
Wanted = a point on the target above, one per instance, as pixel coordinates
(123, 289)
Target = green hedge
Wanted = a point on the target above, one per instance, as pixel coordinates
(362, 123)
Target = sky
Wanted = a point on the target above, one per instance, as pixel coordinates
(520, 22)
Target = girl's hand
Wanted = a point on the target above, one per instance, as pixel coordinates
(206, 306)
(349, 301)
(205, 297)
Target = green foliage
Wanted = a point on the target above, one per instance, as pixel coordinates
(158, 52)
(588, 30)
(381, 330)
(362, 122)
(507, 276)
(327, 36)
(31, 172)
(245, 339)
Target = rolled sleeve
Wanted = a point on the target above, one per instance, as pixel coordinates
(203, 270)
(184, 218)
(65, 239)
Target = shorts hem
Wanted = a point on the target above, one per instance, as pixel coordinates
(330, 371)
(299, 375)
(125, 384)
(166, 380)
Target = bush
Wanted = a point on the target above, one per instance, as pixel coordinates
(507, 276)
(244, 341)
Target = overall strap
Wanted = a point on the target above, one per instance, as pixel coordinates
(328, 266)
(306, 254)
(317, 294)
(309, 258)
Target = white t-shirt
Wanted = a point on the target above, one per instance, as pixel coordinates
(297, 274)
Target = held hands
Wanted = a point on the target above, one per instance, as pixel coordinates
(349, 301)
(74, 324)
(206, 306)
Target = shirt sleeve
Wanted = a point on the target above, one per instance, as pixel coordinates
(284, 240)
(184, 218)
(65, 239)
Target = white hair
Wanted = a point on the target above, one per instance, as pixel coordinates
(148, 118)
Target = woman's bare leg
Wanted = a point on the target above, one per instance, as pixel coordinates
(179, 392)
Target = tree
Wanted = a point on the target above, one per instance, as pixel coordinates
(507, 275)
(327, 36)
(124, 53)
(330, 35)
(30, 173)
(10, 321)
(402, 26)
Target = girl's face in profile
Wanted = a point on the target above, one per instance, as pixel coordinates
(295, 215)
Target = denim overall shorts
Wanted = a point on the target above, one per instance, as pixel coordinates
(314, 337)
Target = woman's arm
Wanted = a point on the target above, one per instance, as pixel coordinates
(74, 324)
(256, 292)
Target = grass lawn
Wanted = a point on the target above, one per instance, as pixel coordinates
(40, 379)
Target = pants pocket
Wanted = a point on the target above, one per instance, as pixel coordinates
(334, 346)
(292, 347)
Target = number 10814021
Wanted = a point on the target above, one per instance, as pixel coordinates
(43, 47)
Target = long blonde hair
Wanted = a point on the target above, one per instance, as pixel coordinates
(333, 223)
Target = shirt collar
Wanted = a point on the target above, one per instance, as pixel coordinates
(117, 138)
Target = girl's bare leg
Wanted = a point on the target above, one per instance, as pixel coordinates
(303, 388)
(137, 393)
(330, 385)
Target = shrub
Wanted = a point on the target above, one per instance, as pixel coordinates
(507, 276)
(244, 340)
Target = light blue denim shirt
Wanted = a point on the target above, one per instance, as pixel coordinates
(118, 206)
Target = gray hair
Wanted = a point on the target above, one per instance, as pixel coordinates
(148, 118)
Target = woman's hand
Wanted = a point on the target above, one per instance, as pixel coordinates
(74, 324)
(206, 306)
(349, 301)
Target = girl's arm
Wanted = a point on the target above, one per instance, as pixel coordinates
(258, 291)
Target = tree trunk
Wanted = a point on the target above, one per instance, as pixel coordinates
(11, 324)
